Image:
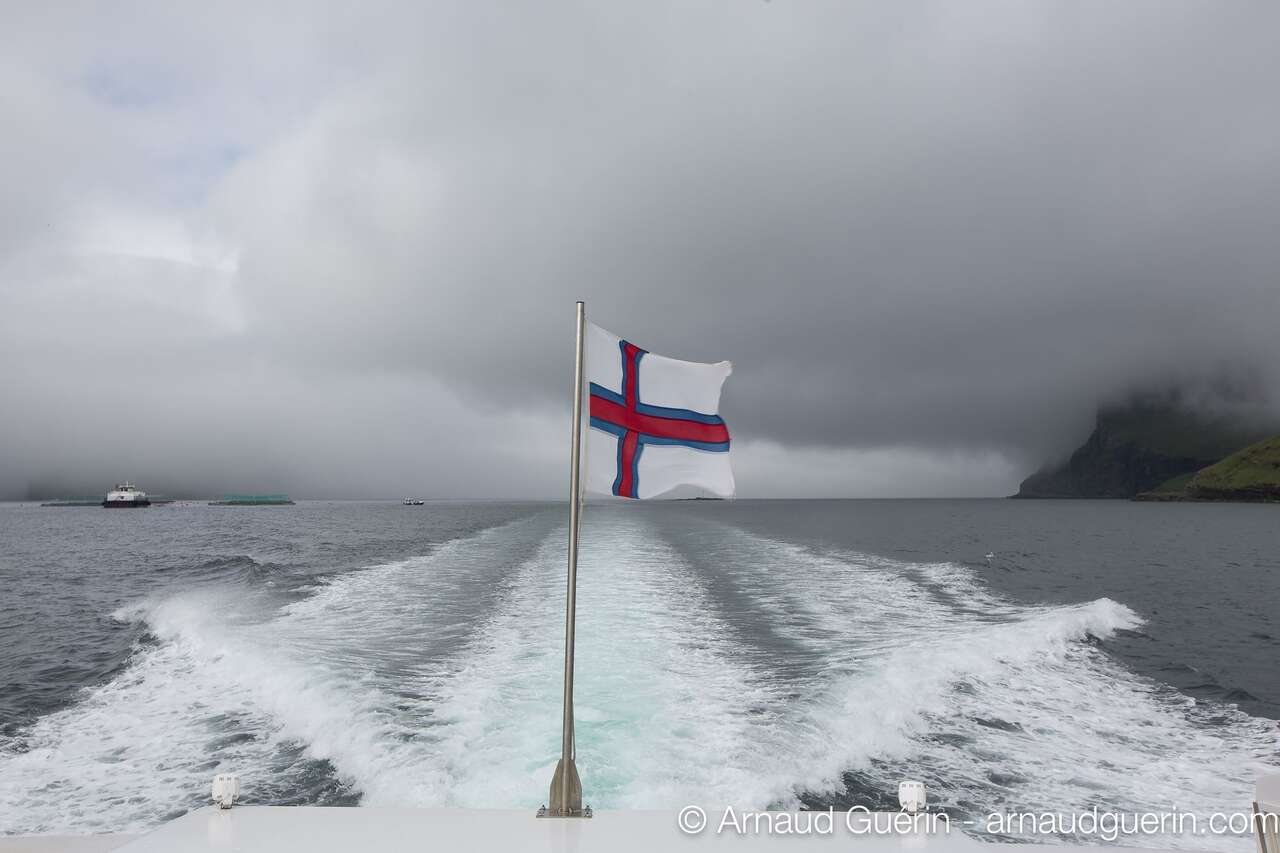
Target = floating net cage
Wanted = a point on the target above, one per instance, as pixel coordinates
(255, 499)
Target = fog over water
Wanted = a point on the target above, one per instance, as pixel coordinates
(333, 251)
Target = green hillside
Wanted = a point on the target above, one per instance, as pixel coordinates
(1250, 474)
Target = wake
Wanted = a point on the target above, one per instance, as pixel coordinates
(726, 668)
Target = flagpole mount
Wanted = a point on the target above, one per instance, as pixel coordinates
(566, 788)
(565, 779)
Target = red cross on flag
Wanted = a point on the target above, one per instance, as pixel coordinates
(654, 421)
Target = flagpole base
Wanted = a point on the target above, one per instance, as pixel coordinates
(566, 793)
(584, 812)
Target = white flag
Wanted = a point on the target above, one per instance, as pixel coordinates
(654, 421)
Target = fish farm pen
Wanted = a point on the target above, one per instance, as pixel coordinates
(253, 500)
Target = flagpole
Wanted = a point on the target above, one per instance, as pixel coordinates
(566, 787)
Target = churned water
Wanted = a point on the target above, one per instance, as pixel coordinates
(1039, 656)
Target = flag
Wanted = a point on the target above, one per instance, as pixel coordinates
(654, 421)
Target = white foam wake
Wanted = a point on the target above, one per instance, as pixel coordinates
(324, 680)
(665, 712)
(928, 674)
(763, 672)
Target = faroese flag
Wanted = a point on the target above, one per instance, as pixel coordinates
(655, 421)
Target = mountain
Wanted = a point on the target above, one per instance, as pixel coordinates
(1252, 474)
(1137, 446)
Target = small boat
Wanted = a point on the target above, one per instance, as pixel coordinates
(413, 502)
(126, 495)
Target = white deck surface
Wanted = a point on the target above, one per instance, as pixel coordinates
(285, 829)
(62, 843)
(250, 829)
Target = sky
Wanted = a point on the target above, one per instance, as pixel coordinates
(333, 249)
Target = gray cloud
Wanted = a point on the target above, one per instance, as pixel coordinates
(338, 251)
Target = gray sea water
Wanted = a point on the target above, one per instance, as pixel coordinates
(1013, 655)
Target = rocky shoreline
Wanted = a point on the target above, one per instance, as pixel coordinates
(1268, 495)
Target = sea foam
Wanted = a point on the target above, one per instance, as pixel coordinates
(752, 672)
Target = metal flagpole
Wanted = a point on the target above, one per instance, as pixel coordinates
(566, 787)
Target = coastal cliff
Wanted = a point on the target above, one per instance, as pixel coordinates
(1139, 447)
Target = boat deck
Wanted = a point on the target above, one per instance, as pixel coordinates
(315, 830)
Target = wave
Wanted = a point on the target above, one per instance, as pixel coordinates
(272, 698)
(238, 567)
(931, 675)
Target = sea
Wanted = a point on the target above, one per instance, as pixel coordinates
(1015, 656)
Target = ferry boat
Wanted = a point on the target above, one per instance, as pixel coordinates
(413, 502)
(126, 495)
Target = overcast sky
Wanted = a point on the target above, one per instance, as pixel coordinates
(334, 249)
